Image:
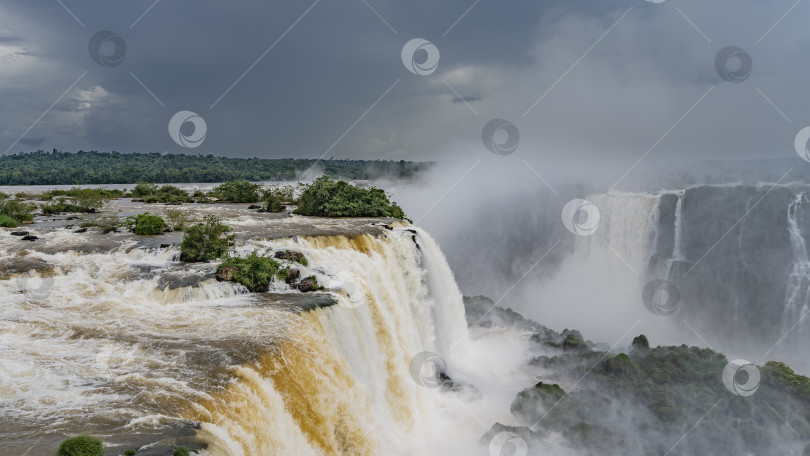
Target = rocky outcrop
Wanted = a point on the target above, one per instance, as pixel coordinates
(306, 285)
(292, 275)
(29, 238)
(290, 255)
(225, 274)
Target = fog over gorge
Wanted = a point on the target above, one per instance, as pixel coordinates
(568, 228)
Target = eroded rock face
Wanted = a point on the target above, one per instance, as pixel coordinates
(289, 255)
(226, 274)
(306, 285)
(293, 274)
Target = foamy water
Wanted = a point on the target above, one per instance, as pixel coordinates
(111, 335)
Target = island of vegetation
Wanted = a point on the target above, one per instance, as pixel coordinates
(83, 168)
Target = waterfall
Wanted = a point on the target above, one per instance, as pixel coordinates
(797, 296)
(158, 348)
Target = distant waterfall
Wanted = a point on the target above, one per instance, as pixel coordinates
(797, 296)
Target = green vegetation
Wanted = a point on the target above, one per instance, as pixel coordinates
(87, 194)
(63, 205)
(661, 392)
(143, 189)
(205, 241)
(82, 168)
(168, 194)
(274, 198)
(181, 451)
(81, 445)
(131, 452)
(254, 272)
(107, 223)
(15, 209)
(7, 222)
(177, 219)
(240, 191)
(146, 224)
(329, 198)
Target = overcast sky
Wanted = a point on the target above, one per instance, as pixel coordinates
(301, 79)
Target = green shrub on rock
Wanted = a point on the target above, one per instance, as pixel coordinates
(254, 272)
(329, 198)
(81, 445)
(7, 222)
(205, 241)
(146, 224)
(238, 191)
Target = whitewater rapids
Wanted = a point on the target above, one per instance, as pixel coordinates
(143, 351)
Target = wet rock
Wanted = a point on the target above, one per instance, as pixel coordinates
(29, 238)
(90, 210)
(254, 206)
(307, 285)
(165, 246)
(81, 230)
(72, 217)
(19, 233)
(412, 231)
(289, 255)
(137, 200)
(388, 227)
(226, 274)
(293, 275)
(173, 203)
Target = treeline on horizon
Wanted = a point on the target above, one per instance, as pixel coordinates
(83, 168)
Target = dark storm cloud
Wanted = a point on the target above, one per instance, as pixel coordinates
(307, 92)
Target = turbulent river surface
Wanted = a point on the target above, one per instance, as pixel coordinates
(110, 335)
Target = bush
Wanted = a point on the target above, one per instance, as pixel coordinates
(81, 445)
(205, 241)
(239, 191)
(151, 193)
(16, 209)
(273, 203)
(131, 452)
(329, 198)
(146, 224)
(254, 272)
(143, 189)
(177, 219)
(7, 222)
(84, 193)
(181, 451)
(107, 223)
(62, 205)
